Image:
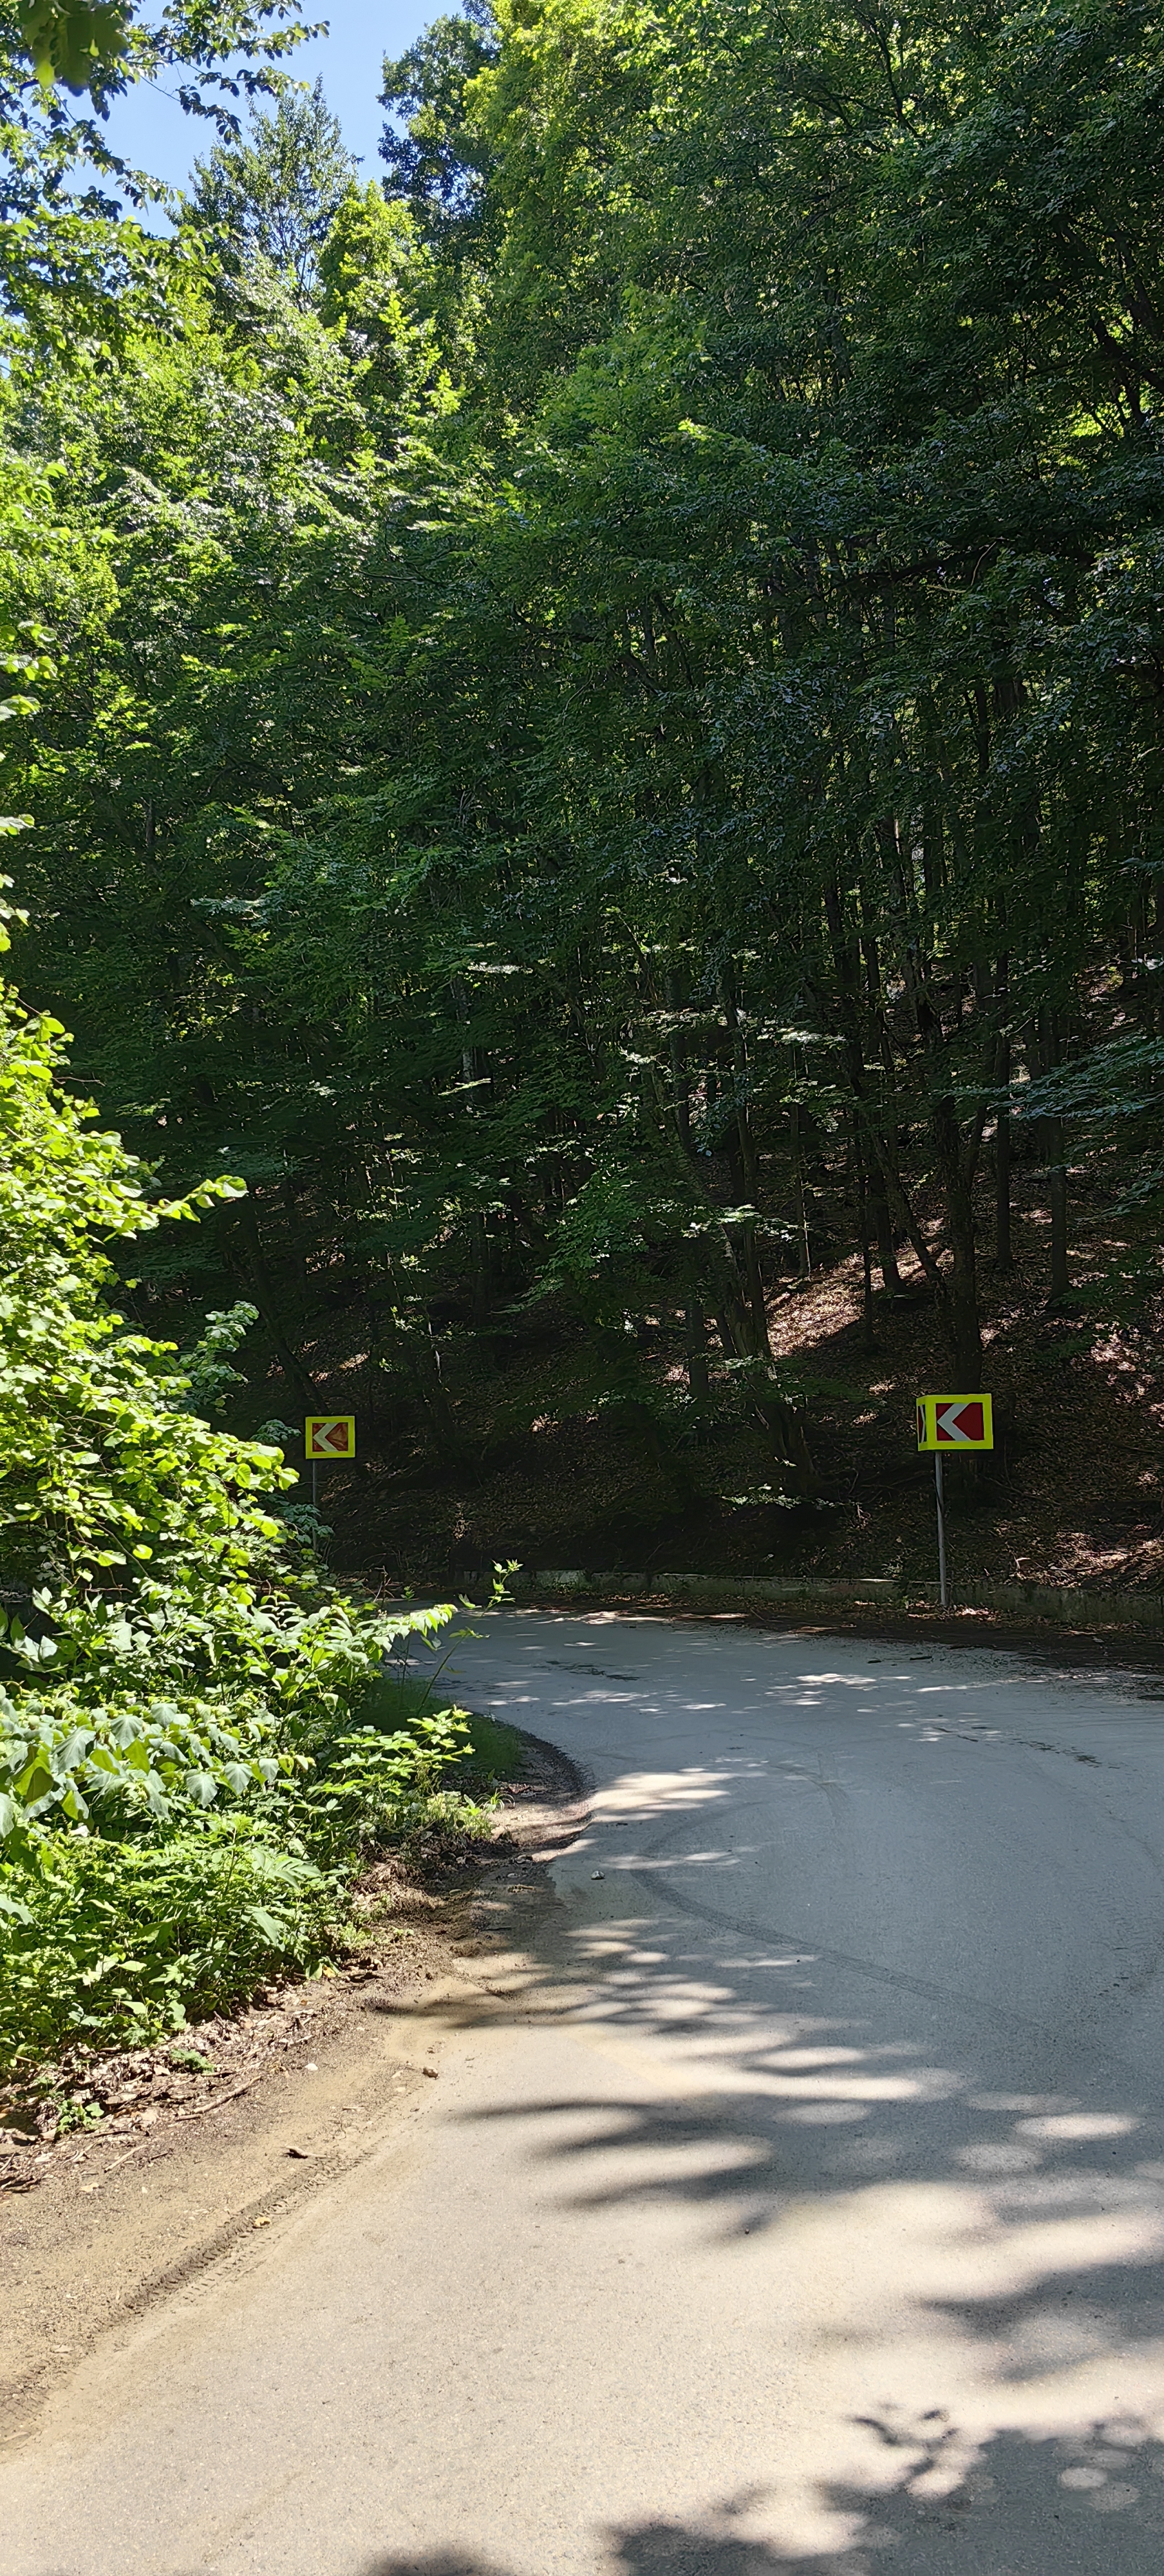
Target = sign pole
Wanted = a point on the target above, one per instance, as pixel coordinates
(327, 1435)
(952, 1422)
(941, 1528)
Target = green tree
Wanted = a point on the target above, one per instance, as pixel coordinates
(95, 46)
(602, 844)
(275, 196)
(75, 268)
(436, 163)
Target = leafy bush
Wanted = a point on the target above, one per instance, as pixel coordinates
(169, 1910)
(122, 1942)
(187, 1781)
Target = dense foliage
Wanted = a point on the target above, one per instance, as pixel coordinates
(607, 732)
(186, 1778)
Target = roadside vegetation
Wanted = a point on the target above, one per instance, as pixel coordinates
(202, 1739)
(587, 724)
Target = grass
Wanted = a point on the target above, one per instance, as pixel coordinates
(495, 1755)
(495, 1750)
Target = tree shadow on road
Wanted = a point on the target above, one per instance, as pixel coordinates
(1050, 2507)
(997, 2214)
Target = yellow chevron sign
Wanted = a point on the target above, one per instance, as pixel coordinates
(955, 1422)
(331, 1435)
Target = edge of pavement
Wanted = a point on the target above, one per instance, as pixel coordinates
(1081, 1634)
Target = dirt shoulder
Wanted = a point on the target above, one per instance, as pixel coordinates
(188, 2165)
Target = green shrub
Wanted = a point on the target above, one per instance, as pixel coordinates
(107, 1938)
(122, 1942)
(188, 1785)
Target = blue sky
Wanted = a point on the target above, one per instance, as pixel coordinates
(150, 129)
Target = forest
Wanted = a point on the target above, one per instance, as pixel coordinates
(586, 713)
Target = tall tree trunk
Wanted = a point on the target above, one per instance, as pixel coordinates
(1056, 1158)
(755, 1279)
(779, 1419)
(680, 1079)
(876, 1155)
(482, 1269)
(695, 1337)
(1003, 1145)
(1060, 1281)
(748, 1182)
(291, 1193)
(423, 1361)
(883, 1229)
(958, 1300)
(1155, 1015)
(803, 1247)
(1003, 1249)
(849, 954)
(869, 1341)
(262, 1289)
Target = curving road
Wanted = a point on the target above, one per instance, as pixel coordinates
(796, 2210)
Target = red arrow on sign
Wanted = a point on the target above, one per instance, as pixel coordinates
(336, 1437)
(959, 1423)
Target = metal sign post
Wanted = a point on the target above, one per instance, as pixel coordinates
(941, 1528)
(327, 1435)
(951, 1422)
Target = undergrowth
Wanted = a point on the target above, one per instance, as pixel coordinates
(161, 1857)
(202, 1739)
(157, 1910)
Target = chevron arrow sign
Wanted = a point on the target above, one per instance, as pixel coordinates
(330, 1435)
(955, 1422)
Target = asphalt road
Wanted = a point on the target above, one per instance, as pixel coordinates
(800, 2209)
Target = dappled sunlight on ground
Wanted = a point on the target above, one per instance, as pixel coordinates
(791, 2199)
(967, 2274)
(1085, 2500)
(655, 1793)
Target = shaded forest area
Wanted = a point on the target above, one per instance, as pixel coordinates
(596, 737)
